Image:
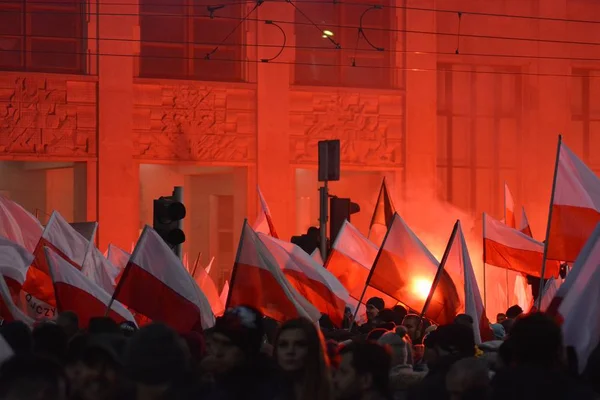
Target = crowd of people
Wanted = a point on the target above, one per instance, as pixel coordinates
(395, 355)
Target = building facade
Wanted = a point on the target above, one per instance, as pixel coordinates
(106, 105)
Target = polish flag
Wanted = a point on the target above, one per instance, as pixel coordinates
(316, 255)
(225, 293)
(209, 266)
(350, 260)
(14, 262)
(508, 248)
(258, 281)
(18, 225)
(156, 285)
(383, 214)
(460, 269)
(311, 280)
(509, 208)
(264, 222)
(100, 270)
(9, 311)
(575, 209)
(550, 290)
(578, 301)
(75, 292)
(525, 228)
(208, 287)
(117, 256)
(405, 270)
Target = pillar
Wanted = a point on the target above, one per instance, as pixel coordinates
(274, 173)
(118, 174)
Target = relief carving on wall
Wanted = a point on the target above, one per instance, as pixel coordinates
(187, 122)
(369, 136)
(37, 117)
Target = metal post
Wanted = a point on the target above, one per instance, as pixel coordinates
(324, 196)
(178, 196)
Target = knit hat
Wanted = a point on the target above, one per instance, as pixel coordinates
(498, 330)
(242, 325)
(376, 302)
(399, 344)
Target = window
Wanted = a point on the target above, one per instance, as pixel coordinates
(177, 35)
(42, 35)
(479, 124)
(320, 63)
(585, 117)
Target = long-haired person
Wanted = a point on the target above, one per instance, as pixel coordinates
(301, 356)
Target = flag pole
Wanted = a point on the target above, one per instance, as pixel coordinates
(545, 256)
(379, 196)
(440, 270)
(371, 273)
(506, 269)
(484, 283)
(234, 269)
(196, 264)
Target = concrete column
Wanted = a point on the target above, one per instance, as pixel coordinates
(274, 174)
(118, 173)
(421, 94)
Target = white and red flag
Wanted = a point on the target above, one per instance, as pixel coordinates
(383, 214)
(257, 280)
(405, 270)
(75, 292)
(350, 260)
(100, 270)
(508, 248)
(460, 269)
(208, 287)
(225, 293)
(264, 221)
(575, 206)
(524, 226)
(509, 208)
(316, 255)
(310, 279)
(578, 302)
(117, 256)
(156, 285)
(18, 225)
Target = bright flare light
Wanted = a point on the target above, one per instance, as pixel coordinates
(421, 287)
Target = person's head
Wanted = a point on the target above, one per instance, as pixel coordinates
(464, 319)
(155, 356)
(103, 325)
(450, 341)
(364, 369)
(236, 339)
(375, 334)
(196, 344)
(536, 339)
(498, 330)
(412, 323)
(26, 377)
(374, 306)
(399, 314)
(300, 351)
(386, 316)
(513, 312)
(399, 345)
(69, 321)
(500, 317)
(467, 375)
(18, 335)
(50, 340)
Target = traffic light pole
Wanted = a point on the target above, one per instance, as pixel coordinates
(178, 196)
(324, 197)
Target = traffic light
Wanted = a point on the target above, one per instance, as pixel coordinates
(309, 241)
(340, 209)
(168, 212)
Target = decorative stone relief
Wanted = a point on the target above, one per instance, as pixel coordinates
(47, 116)
(194, 122)
(369, 126)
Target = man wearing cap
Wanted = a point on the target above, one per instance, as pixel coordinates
(374, 306)
(235, 359)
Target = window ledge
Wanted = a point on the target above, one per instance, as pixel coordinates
(52, 75)
(348, 89)
(168, 81)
